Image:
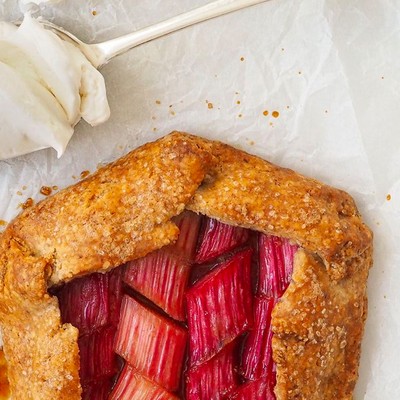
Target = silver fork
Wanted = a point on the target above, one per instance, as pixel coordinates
(100, 53)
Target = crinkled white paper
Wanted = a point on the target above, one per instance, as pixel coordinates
(331, 69)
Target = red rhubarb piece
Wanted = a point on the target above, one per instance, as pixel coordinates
(217, 238)
(84, 302)
(254, 390)
(199, 271)
(276, 265)
(162, 278)
(115, 291)
(97, 357)
(131, 385)
(289, 250)
(97, 390)
(163, 275)
(257, 349)
(152, 344)
(189, 224)
(219, 307)
(215, 378)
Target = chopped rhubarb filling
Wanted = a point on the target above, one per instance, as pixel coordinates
(84, 302)
(217, 238)
(98, 390)
(262, 389)
(152, 344)
(219, 307)
(257, 349)
(189, 321)
(215, 378)
(132, 385)
(163, 279)
(98, 360)
(275, 265)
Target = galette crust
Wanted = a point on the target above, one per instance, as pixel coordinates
(318, 327)
(124, 211)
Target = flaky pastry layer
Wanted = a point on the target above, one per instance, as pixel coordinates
(124, 211)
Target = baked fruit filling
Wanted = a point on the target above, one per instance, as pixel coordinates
(191, 320)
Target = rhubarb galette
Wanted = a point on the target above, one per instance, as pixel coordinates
(186, 269)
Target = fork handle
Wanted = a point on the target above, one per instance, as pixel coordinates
(111, 48)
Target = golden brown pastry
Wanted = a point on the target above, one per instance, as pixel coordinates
(124, 211)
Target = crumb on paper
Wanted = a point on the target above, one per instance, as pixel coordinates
(299, 72)
(241, 58)
(154, 129)
(2, 222)
(382, 77)
(94, 13)
(84, 174)
(209, 105)
(158, 102)
(275, 114)
(153, 118)
(24, 187)
(326, 111)
(287, 107)
(19, 193)
(46, 190)
(389, 197)
(238, 102)
(172, 112)
(240, 115)
(54, 187)
(265, 113)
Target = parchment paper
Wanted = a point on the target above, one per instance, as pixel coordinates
(329, 68)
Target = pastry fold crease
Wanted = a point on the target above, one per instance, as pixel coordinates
(124, 211)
